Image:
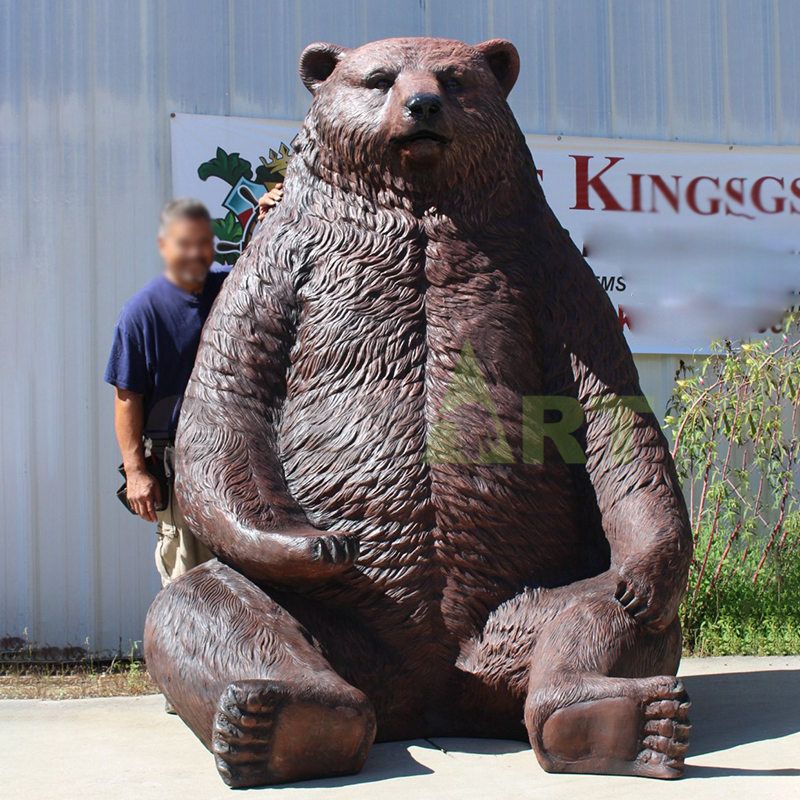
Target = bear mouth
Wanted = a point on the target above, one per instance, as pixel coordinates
(423, 136)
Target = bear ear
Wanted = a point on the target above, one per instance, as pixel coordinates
(318, 62)
(503, 60)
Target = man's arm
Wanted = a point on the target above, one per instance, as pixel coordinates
(142, 490)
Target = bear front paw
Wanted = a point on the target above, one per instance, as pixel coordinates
(640, 598)
(301, 554)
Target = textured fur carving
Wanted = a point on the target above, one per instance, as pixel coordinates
(352, 448)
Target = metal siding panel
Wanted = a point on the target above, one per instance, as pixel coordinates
(470, 23)
(526, 25)
(382, 19)
(16, 595)
(786, 57)
(130, 182)
(267, 40)
(261, 68)
(195, 38)
(581, 68)
(656, 377)
(749, 85)
(638, 56)
(85, 94)
(67, 530)
(42, 345)
(696, 74)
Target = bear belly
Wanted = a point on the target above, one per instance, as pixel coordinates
(402, 422)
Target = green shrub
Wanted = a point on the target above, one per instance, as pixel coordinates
(735, 615)
(734, 418)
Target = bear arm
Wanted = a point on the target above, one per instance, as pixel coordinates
(230, 482)
(628, 461)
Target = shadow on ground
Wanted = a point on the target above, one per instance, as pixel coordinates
(386, 761)
(728, 710)
(736, 708)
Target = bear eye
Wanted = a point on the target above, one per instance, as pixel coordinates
(381, 82)
(451, 83)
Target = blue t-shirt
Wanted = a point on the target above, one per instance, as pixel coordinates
(155, 344)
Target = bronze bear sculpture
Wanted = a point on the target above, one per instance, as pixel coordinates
(401, 552)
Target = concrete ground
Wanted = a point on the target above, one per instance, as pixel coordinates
(746, 744)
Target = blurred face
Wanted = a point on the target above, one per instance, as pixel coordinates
(187, 247)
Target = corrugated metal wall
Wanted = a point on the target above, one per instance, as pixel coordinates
(86, 87)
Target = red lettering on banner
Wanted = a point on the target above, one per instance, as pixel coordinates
(636, 191)
(691, 195)
(734, 188)
(734, 193)
(735, 196)
(755, 194)
(624, 319)
(795, 187)
(673, 198)
(583, 183)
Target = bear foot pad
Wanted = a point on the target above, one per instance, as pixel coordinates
(268, 732)
(646, 735)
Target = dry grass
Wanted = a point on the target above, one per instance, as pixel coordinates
(65, 682)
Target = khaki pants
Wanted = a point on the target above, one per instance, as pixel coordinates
(177, 549)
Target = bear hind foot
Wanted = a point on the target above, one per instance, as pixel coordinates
(641, 729)
(267, 732)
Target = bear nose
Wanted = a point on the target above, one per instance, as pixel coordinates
(423, 106)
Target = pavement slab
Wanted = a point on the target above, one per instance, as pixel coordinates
(745, 744)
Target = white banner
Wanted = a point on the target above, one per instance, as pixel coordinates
(691, 242)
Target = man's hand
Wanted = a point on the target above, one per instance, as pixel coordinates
(269, 200)
(144, 494)
(142, 489)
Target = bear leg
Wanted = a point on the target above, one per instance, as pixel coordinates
(598, 700)
(245, 676)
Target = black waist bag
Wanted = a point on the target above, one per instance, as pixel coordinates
(158, 469)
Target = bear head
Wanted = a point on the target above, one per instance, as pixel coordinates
(410, 115)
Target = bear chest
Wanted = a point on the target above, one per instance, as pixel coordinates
(412, 353)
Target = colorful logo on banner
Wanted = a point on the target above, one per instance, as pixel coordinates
(245, 187)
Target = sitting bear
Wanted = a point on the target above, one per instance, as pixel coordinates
(402, 551)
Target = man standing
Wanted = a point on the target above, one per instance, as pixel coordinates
(153, 352)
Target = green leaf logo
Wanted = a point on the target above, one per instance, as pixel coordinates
(227, 166)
